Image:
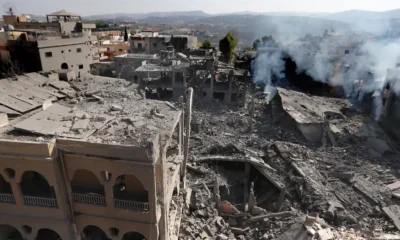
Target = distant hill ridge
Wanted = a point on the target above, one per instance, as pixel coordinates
(345, 16)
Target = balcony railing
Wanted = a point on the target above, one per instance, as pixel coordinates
(131, 205)
(40, 201)
(7, 198)
(89, 199)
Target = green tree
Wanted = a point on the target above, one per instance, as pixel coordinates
(126, 35)
(256, 44)
(227, 47)
(206, 44)
(269, 41)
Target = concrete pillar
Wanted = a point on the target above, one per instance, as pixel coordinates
(180, 133)
(109, 191)
(184, 79)
(182, 130)
(17, 192)
(176, 90)
(246, 182)
(187, 137)
(228, 95)
(159, 199)
(211, 91)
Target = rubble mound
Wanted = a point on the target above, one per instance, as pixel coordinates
(252, 175)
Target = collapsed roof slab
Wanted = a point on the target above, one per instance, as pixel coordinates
(58, 120)
(267, 171)
(310, 113)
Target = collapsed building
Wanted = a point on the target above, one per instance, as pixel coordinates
(151, 42)
(294, 168)
(88, 160)
(168, 75)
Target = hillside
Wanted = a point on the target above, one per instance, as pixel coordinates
(251, 27)
(357, 15)
(369, 21)
(136, 16)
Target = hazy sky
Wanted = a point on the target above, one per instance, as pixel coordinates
(90, 7)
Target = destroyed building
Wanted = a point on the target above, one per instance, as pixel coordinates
(63, 43)
(88, 160)
(62, 22)
(168, 75)
(256, 173)
(151, 42)
(126, 64)
(40, 50)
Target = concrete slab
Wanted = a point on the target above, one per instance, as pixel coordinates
(4, 109)
(15, 103)
(393, 212)
(394, 186)
(80, 124)
(3, 119)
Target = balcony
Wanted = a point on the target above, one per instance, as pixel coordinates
(7, 198)
(130, 194)
(40, 201)
(89, 199)
(36, 191)
(87, 189)
(131, 205)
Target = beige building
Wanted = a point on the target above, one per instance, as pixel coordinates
(62, 22)
(150, 42)
(112, 172)
(39, 50)
(110, 50)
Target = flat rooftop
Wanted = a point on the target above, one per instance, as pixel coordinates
(140, 56)
(96, 109)
(161, 68)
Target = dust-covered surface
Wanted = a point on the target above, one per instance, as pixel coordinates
(103, 110)
(344, 181)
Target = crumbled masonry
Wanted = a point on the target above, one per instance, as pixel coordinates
(311, 168)
(296, 167)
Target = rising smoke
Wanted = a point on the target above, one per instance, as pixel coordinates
(340, 59)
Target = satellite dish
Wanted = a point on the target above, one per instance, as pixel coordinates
(9, 8)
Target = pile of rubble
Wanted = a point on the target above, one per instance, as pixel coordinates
(255, 174)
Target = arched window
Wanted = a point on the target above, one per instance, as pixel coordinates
(133, 236)
(35, 184)
(86, 188)
(37, 191)
(6, 194)
(129, 193)
(64, 66)
(47, 234)
(92, 232)
(10, 233)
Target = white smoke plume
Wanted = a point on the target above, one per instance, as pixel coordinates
(340, 59)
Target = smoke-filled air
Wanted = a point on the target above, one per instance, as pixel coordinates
(358, 62)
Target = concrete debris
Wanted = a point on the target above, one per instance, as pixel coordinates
(393, 212)
(157, 113)
(3, 119)
(39, 139)
(396, 195)
(394, 186)
(116, 107)
(279, 182)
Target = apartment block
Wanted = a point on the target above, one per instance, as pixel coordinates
(103, 166)
(151, 42)
(40, 50)
(62, 22)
